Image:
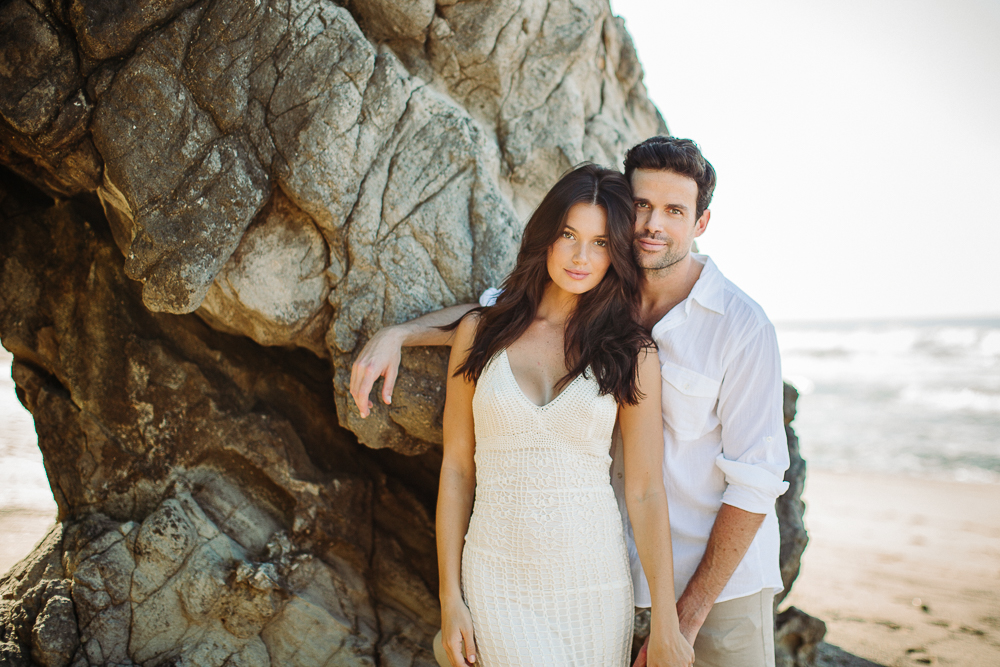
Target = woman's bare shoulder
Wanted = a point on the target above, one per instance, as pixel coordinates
(648, 355)
(466, 331)
(649, 369)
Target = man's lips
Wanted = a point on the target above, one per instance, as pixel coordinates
(652, 244)
(576, 275)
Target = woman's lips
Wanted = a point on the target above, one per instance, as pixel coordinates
(576, 275)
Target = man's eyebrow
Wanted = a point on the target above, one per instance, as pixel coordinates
(643, 200)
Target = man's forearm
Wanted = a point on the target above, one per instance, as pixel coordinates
(424, 330)
(732, 533)
(381, 354)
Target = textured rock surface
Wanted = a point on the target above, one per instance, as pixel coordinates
(179, 457)
(790, 507)
(796, 634)
(220, 202)
(392, 148)
(797, 637)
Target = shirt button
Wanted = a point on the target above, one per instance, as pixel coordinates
(619, 475)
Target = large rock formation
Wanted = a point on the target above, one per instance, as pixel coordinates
(205, 209)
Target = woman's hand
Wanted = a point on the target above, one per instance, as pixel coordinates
(660, 651)
(456, 634)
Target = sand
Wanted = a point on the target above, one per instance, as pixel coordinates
(904, 571)
(20, 531)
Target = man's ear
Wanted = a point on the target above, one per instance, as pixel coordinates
(702, 224)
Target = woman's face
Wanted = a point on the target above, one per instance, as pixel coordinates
(579, 258)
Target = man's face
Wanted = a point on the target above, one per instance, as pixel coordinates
(665, 224)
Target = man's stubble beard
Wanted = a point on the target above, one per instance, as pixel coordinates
(656, 265)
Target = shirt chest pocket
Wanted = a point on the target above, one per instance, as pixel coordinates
(689, 401)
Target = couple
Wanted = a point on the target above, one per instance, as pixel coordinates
(607, 315)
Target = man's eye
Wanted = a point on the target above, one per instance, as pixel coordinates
(641, 204)
(675, 211)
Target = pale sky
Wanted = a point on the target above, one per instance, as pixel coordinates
(857, 144)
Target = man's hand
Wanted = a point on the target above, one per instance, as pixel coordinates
(691, 617)
(380, 357)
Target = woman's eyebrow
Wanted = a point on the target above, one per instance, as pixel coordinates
(575, 231)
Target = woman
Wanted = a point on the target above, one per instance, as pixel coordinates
(535, 384)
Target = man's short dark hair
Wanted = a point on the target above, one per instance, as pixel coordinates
(681, 156)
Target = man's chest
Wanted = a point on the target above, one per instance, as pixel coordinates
(691, 370)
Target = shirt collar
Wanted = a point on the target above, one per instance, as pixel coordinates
(707, 289)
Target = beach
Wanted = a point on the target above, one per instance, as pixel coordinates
(20, 531)
(904, 571)
(27, 508)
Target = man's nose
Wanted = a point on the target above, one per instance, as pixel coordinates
(654, 221)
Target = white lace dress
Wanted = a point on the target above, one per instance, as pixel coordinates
(544, 569)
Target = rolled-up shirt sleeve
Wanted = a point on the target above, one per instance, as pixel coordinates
(489, 296)
(754, 448)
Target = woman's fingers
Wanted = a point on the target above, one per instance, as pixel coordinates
(470, 645)
(453, 649)
(461, 647)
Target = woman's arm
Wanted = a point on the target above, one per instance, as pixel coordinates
(455, 497)
(646, 498)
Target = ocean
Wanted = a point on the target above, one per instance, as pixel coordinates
(918, 398)
(903, 397)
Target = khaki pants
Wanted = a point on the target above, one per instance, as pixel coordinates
(738, 633)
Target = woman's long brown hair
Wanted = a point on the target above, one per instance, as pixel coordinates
(603, 333)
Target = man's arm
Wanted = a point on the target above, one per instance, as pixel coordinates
(732, 533)
(381, 354)
(754, 458)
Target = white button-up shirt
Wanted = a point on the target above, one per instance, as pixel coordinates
(723, 431)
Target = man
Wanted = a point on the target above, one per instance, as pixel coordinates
(724, 443)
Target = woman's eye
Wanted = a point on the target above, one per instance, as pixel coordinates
(567, 235)
(601, 243)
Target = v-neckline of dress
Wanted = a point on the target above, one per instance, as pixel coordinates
(524, 397)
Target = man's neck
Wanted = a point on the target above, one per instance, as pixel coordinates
(662, 289)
